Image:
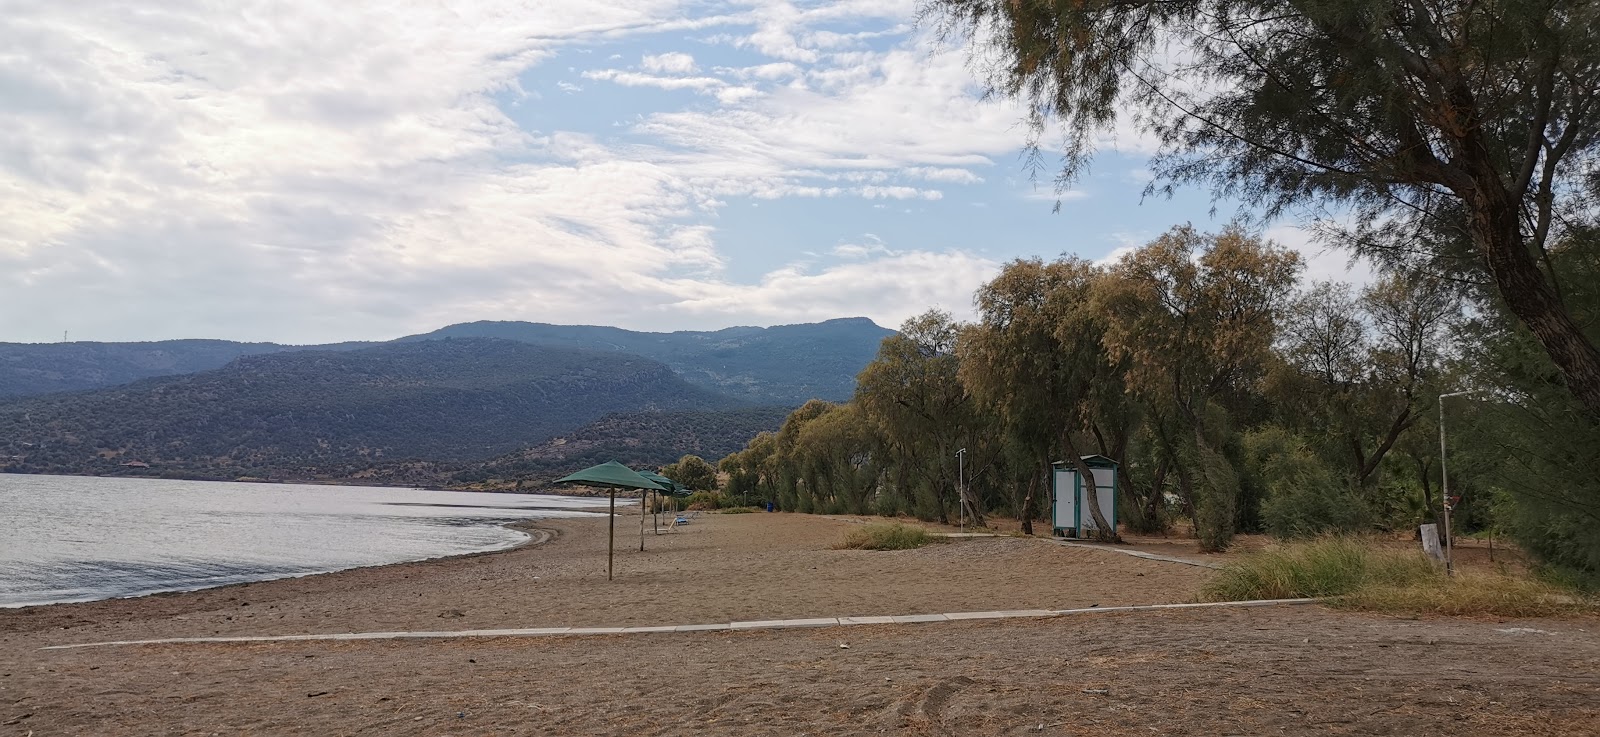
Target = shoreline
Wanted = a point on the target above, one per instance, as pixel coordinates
(532, 536)
(360, 483)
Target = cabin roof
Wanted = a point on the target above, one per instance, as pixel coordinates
(1093, 461)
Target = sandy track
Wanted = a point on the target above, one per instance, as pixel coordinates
(1300, 670)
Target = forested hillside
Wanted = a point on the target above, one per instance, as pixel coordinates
(322, 414)
(28, 369)
(637, 439)
(784, 364)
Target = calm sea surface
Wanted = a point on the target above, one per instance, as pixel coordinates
(65, 538)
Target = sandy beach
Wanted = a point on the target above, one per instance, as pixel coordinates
(1262, 671)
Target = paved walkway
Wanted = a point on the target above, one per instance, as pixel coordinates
(729, 626)
(1134, 553)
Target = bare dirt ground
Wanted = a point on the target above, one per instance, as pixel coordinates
(1299, 670)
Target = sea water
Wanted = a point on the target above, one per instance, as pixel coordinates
(69, 538)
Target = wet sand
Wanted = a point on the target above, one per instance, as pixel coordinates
(1300, 670)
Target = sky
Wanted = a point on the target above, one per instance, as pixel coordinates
(303, 171)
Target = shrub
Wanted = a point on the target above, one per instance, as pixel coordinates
(1352, 573)
(1469, 592)
(886, 536)
(1304, 497)
(739, 510)
(1329, 566)
(708, 500)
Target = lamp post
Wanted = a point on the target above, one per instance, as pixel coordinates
(1444, 478)
(961, 487)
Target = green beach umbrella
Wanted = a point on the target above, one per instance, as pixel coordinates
(676, 488)
(613, 476)
(665, 483)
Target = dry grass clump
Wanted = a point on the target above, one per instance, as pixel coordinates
(886, 536)
(1328, 566)
(1469, 593)
(1354, 573)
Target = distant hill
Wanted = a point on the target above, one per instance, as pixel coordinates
(783, 364)
(311, 414)
(786, 364)
(28, 369)
(637, 439)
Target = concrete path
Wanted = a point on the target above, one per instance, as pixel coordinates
(730, 626)
(1134, 553)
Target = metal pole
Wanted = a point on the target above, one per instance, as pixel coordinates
(1444, 490)
(961, 487)
(1444, 482)
(611, 536)
(643, 495)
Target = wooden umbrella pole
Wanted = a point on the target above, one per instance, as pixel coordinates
(643, 494)
(611, 539)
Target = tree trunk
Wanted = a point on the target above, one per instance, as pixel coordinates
(1186, 490)
(1103, 531)
(1497, 233)
(1027, 505)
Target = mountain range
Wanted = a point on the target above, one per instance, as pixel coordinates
(487, 401)
(783, 364)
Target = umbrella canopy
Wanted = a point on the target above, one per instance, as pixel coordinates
(666, 483)
(616, 476)
(612, 474)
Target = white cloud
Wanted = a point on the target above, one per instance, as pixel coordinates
(669, 63)
(636, 79)
(870, 245)
(1323, 263)
(295, 170)
(890, 288)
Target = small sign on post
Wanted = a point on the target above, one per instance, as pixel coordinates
(1430, 543)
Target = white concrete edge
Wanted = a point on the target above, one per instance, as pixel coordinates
(1135, 553)
(731, 626)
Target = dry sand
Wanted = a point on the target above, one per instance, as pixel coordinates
(1305, 670)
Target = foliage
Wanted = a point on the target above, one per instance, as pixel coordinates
(1304, 498)
(1360, 574)
(1036, 357)
(1460, 135)
(922, 414)
(1527, 438)
(693, 472)
(1328, 566)
(1193, 316)
(636, 439)
(709, 500)
(1470, 593)
(886, 536)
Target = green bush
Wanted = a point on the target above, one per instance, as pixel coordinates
(1328, 566)
(886, 536)
(708, 500)
(1304, 497)
(739, 510)
(1351, 573)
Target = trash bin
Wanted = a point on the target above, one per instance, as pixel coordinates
(769, 507)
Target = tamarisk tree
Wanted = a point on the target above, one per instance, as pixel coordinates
(1463, 135)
